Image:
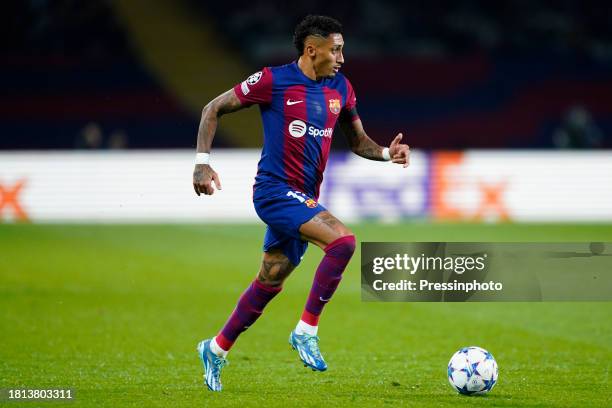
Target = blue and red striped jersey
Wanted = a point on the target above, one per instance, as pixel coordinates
(299, 115)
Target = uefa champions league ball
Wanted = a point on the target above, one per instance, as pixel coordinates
(472, 370)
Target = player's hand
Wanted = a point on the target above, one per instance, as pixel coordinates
(203, 177)
(400, 153)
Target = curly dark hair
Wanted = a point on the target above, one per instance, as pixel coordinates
(314, 25)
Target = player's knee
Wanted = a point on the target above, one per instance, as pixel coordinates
(345, 232)
(273, 283)
(343, 247)
(274, 271)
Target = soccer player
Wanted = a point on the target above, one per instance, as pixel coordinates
(300, 104)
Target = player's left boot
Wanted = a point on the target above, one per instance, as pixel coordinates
(212, 365)
(307, 347)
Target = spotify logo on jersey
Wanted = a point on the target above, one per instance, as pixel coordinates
(297, 128)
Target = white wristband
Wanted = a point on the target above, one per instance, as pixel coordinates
(385, 154)
(202, 158)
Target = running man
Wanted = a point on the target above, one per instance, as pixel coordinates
(300, 104)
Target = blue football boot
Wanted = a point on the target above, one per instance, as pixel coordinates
(212, 365)
(307, 347)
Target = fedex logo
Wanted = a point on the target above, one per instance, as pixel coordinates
(298, 128)
(9, 198)
(442, 185)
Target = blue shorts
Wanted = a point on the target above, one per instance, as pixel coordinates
(284, 210)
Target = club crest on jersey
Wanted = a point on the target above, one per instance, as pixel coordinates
(310, 203)
(334, 106)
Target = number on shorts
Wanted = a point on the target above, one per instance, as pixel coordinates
(295, 195)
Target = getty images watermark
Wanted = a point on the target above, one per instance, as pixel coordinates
(469, 271)
(414, 264)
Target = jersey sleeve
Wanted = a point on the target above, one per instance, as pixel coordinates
(256, 89)
(350, 103)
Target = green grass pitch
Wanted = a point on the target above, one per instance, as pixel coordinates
(115, 313)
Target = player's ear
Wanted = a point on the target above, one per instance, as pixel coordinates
(310, 46)
(310, 50)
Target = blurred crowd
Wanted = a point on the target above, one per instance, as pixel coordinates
(72, 70)
(84, 29)
(395, 27)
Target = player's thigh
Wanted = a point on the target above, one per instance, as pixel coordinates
(275, 268)
(323, 229)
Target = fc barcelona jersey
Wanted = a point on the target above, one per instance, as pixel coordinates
(299, 115)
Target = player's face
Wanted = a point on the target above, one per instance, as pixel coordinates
(329, 58)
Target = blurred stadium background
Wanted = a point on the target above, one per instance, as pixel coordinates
(507, 106)
(126, 79)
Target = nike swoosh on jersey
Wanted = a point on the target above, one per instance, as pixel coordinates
(290, 102)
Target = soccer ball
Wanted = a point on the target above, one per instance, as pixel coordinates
(472, 370)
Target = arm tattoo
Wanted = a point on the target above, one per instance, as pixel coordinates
(225, 103)
(358, 140)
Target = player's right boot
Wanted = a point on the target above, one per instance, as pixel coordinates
(212, 365)
(307, 347)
